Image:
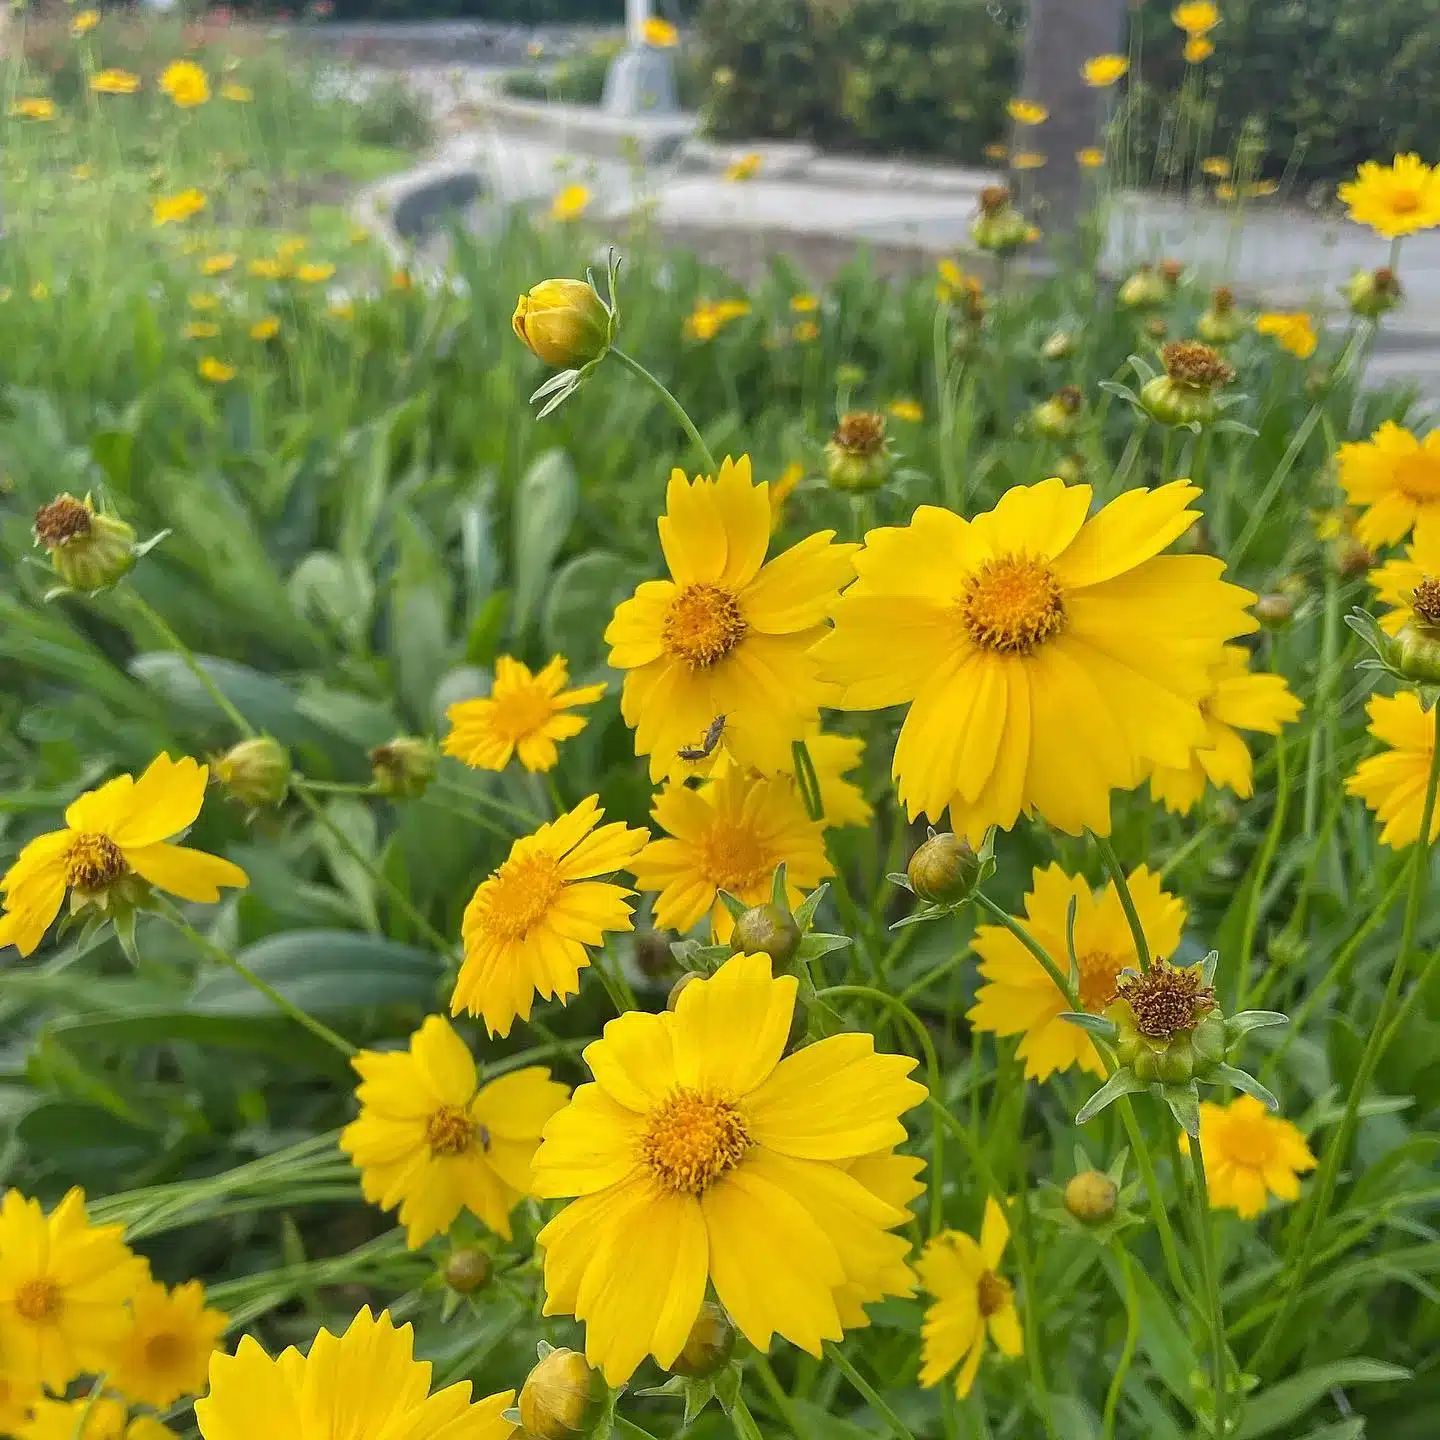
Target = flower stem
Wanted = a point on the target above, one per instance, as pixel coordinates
(782, 1401)
(1151, 1181)
(1261, 870)
(672, 404)
(1062, 981)
(1127, 1349)
(868, 1391)
(743, 1422)
(1211, 1279)
(1127, 903)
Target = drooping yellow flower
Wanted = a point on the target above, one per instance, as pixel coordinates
(114, 82)
(64, 1287)
(1392, 784)
(1395, 475)
(1240, 701)
(84, 22)
(834, 757)
(236, 94)
(570, 203)
(700, 1155)
(180, 206)
(527, 925)
(1047, 658)
(745, 167)
(185, 83)
(33, 107)
(1027, 112)
(1292, 330)
(266, 328)
(314, 272)
(780, 489)
(1019, 997)
(1028, 160)
(660, 33)
(970, 1300)
(727, 634)
(524, 715)
(106, 1419)
(1395, 199)
(363, 1385)
(910, 411)
(217, 264)
(434, 1141)
(1092, 157)
(218, 372)
(166, 1351)
(116, 842)
(730, 835)
(1102, 71)
(1198, 49)
(1196, 17)
(1249, 1155)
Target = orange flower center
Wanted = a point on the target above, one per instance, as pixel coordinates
(993, 1293)
(1249, 1139)
(1417, 476)
(520, 895)
(165, 1351)
(703, 625)
(1404, 200)
(1012, 605)
(39, 1301)
(1098, 972)
(93, 862)
(734, 858)
(449, 1131)
(692, 1140)
(522, 711)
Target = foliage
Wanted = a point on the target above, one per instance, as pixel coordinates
(580, 79)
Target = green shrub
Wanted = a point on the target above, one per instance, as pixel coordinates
(580, 80)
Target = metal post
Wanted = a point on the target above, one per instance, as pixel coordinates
(641, 79)
(637, 12)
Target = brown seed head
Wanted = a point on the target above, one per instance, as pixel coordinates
(860, 432)
(64, 518)
(1425, 601)
(1193, 363)
(994, 198)
(1172, 270)
(1071, 397)
(1222, 299)
(1387, 282)
(1166, 1001)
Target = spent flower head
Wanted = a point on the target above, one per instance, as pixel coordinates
(857, 455)
(89, 549)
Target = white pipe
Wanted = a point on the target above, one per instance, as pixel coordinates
(637, 12)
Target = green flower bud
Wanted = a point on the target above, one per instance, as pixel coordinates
(1372, 292)
(857, 455)
(89, 550)
(1144, 290)
(767, 930)
(1091, 1196)
(404, 767)
(653, 956)
(944, 870)
(1056, 416)
(1185, 393)
(564, 322)
(999, 227)
(1222, 323)
(560, 1398)
(1274, 611)
(467, 1270)
(709, 1345)
(1058, 346)
(254, 772)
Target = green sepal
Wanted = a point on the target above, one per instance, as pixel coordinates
(1095, 1024)
(1184, 1103)
(1243, 1080)
(1122, 1082)
(733, 904)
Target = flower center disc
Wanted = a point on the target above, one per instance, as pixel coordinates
(449, 1131)
(703, 625)
(735, 859)
(1404, 200)
(1012, 605)
(1098, 972)
(1418, 477)
(692, 1140)
(61, 520)
(39, 1301)
(164, 1351)
(523, 711)
(521, 894)
(1249, 1140)
(993, 1293)
(1167, 1001)
(93, 861)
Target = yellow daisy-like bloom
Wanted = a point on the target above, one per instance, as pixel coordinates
(1027, 112)
(1090, 158)
(727, 634)
(1196, 17)
(1395, 475)
(265, 329)
(114, 839)
(64, 1288)
(746, 167)
(1249, 1155)
(364, 1385)
(729, 835)
(1292, 330)
(166, 1353)
(434, 1141)
(842, 800)
(970, 1300)
(202, 300)
(268, 268)
(1047, 658)
(236, 94)
(570, 203)
(1198, 49)
(1028, 160)
(114, 82)
(216, 371)
(1240, 701)
(660, 33)
(316, 272)
(804, 304)
(1395, 581)
(1217, 166)
(217, 264)
(911, 411)
(84, 22)
(33, 107)
(1102, 71)
(524, 715)
(1395, 199)
(185, 83)
(780, 489)
(527, 925)
(1019, 998)
(19, 1396)
(700, 1155)
(1393, 784)
(181, 206)
(107, 1419)
(201, 330)
(707, 320)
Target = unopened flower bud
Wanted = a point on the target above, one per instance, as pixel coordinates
(1090, 1196)
(999, 227)
(1144, 290)
(1186, 391)
(1071, 468)
(944, 870)
(1274, 611)
(1221, 323)
(653, 956)
(1058, 346)
(767, 930)
(467, 1270)
(88, 549)
(1156, 327)
(404, 767)
(1372, 292)
(678, 988)
(709, 1346)
(857, 455)
(1056, 416)
(1414, 654)
(1172, 272)
(560, 1397)
(255, 772)
(564, 322)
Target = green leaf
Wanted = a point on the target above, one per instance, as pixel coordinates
(84, 1141)
(583, 588)
(282, 1040)
(1286, 1402)
(546, 500)
(1162, 1337)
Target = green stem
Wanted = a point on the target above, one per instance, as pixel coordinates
(1030, 1319)
(1262, 868)
(1204, 1221)
(743, 1422)
(1328, 673)
(1062, 981)
(672, 404)
(868, 1391)
(1127, 903)
(779, 1398)
(1127, 1349)
(281, 1002)
(1145, 1163)
(1272, 487)
(629, 1427)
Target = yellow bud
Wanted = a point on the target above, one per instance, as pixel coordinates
(254, 772)
(467, 1270)
(404, 767)
(1090, 1196)
(88, 549)
(944, 870)
(709, 1344)
(564, 322)
(558, 1397)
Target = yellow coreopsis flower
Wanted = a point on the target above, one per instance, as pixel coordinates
(1198, 49)
(1045, 654)
(268, 268)
(114, 82)
(1196, 17)
(707, 320)
(660, 33)
(1393, 784)
(236, 94)
(84, 22)
(220, 264)
(728, 634)
(1019, 997)
(1027, 112)
(570, 203)
(166, 1352)
(315, 272)
(910, 411)
(1090, 158)
(432, 1140)
(218, 372)
(700, 1155)
(64, 1288)
(364, 1385)
(1395, 475)
(1028, 160)
(842, 801)
(746, 167)
(33, 107)
(1216, 166)
(527, 925)
(105, 1419)
(523, 716)
(780, 489)
(291, 246)
(1249, 1155)
(971, 1300)
(181, 206)
(185, 83)
(266, 328)
(729, 835)
(19, 1397)
(1102, 71)
(1240, 701)
(1395, 199)
(1395, 581)
(116, 843)
(1292, 330)
(804, 304)
(201, 330)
